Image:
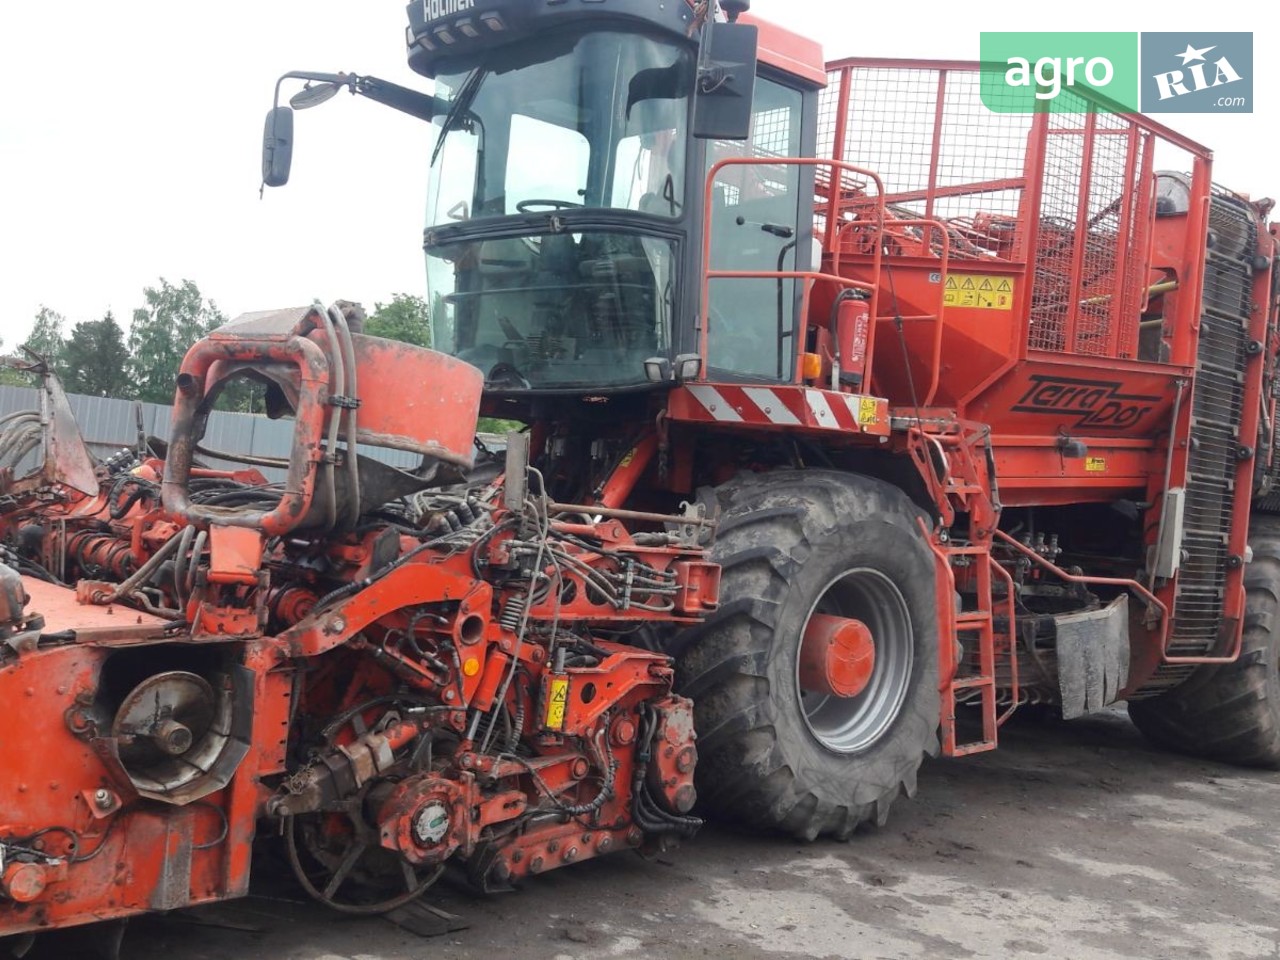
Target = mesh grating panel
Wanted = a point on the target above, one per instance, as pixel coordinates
(941, 153)
(1067, 194)
(1093, 231)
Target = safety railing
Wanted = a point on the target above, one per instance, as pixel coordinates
(806, 277)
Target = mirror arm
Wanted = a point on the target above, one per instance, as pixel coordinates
(342, 79)
(415, 104)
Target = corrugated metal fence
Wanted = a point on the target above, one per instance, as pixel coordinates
(110, 425)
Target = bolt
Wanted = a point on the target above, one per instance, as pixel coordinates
(634, 837)
(553, 846)
(684, 762)
(605, 844)
(450, 695)
(535, 865)
(571, 855)
(624, 731)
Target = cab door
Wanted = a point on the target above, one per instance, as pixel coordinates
(759, 222)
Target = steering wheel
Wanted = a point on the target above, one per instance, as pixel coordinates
(524, 205)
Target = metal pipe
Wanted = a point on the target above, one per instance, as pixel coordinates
(628, 515)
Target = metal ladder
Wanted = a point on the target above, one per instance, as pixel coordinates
(970, 489)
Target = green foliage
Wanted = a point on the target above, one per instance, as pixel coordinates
(95, 360)
(46, 337)
(501, 427)
(405, 318)
(10, 377)
(243, 396)
(174, 318)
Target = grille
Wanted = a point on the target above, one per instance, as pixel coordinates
(1216, 406)
(1092, 230)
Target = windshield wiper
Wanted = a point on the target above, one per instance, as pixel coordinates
(461, 103)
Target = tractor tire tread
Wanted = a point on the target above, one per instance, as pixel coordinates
(1231, 712)
(769, 525)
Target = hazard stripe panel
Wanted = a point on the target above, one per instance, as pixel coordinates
(780, 408)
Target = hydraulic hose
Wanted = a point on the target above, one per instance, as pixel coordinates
(351, 393)
(338, 381)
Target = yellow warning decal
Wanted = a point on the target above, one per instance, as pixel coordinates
(868, 411)
(979, 291)
(557, 700)
(1095, 464)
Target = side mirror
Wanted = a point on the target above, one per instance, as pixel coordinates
(726, 83)
(277, 147)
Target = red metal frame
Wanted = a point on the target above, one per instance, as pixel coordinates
(412, 610)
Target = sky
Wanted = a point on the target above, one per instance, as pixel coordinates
(130, 136)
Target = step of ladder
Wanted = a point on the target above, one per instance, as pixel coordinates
(970, 490)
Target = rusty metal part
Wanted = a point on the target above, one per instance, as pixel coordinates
(99, 554)
(675, 754)
(434, 695)
(342, 772)
(162, 716)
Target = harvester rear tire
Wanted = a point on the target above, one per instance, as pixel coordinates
(1231, 713)
(772, 756)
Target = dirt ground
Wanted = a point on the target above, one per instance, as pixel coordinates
(1073, 840)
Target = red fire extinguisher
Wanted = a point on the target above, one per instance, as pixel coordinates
(853, 329)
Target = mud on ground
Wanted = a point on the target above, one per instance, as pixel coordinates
(1073, 840)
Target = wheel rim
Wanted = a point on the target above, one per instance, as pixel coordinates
(852, 724)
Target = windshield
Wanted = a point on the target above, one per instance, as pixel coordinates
(554, 311)
(596, 120)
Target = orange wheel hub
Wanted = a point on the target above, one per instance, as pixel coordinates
(837, 656)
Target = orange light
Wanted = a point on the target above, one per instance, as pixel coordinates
(811, 366)
(471, 667)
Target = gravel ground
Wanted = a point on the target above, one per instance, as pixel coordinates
(1073, 840)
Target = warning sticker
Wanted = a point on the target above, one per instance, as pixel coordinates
(1095, 464)
(868, 409)
(979, 291)
(557, 700)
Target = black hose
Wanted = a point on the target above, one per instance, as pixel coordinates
(647, 813)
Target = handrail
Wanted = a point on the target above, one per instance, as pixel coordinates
(708, 274)
(935, 363)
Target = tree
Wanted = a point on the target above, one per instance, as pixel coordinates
(174, 318)
(45, 338)
(405, 318)
(95, 360)
(10, 377)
